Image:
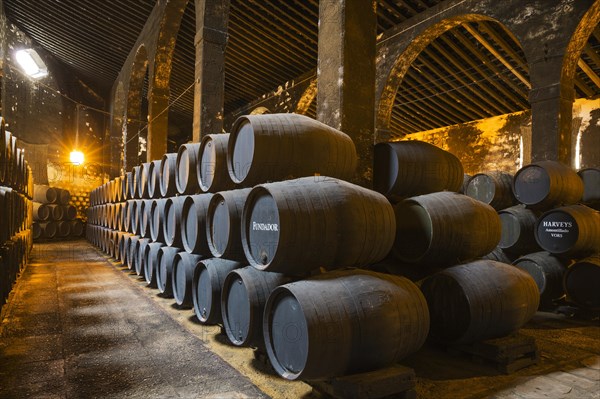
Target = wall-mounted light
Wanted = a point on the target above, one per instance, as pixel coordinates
(31, 63)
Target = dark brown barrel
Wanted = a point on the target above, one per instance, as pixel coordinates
(571, 230)
(44, 194)
(41, 212)
(124, 247)
(125, 186)
(130, 185)
(137, 176)
(157, 211)
(293, 226)
(139, 264)
(223, 221)
(135, 216)
(36, 231)
(518, 230)
(244, 294)
(154, 179)
(145, 213)
(342, 323)
(591, 187)
(273, 147)
(212, 170)
(187, 160)
(498, 255)
(63, 196)
(69, 212)
(49, 229)
(547, 184)
(209, 276)
(142, 183)
(193, 224)
(117, 245)
(149, 259)
(63, 229)
(444, 229)
(172, 222)
(168, 173)
(407, 168)
(132, 252)
(129, 209)
(118, 189)
(581, 283)
(547, 271)
(164, 261)
(463, 188)
(493, 188)
(76, 228)
(184, 265)
(480, 300)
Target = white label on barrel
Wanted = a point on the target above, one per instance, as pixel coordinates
(557, 232)
(265, 226)
(557, 229)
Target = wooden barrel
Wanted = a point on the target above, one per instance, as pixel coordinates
(63, 196)
(187, 161)
(44, 194)
(591, 187)
(293, 226)
(168, 175)
(243, 297)
(164, 261)
(209, 276)
(137, 176)
(547, 271)
(193, 224)
(139, 265)
(63, 228)
(570, 230)
(142, 183)
(157, 211)
(145, 214)
(547, 184)
(150, 258)
(77, 228)
(342, 323)
(135, 216)
(273, 147)
(408, 168)
(125, 186)
(518, 230)
(41, 212)
(480, 300)
(444, 229)
(133, 252)
(184, 265)
(36, 231)
(493, 188)
(70, 213)
(498, 255)
(154, 179)
(124, 247)
(581, 283)
(463, 188)
(172, 222)
(49, 229)
(130, 186)
(223, 221)
(212, 170)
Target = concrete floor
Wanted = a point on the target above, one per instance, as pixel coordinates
(79, 325)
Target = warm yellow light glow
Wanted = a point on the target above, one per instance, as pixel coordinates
(31, 63)
(76, 157)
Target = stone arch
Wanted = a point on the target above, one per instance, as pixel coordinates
(260, 111)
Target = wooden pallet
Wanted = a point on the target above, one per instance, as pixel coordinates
(506, 354)
(396, 381)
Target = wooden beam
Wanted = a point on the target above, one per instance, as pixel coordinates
(589, 72)
(429, 110)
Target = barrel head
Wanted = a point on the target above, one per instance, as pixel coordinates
(511, 230)
(179, 280)
(262, 229)
(237, 311)
(557, 232)
(204, 295)
(581, 284)
(207, 168)
(414, 230)
(190, 224)
(220, 228)
(242, 152)
(531, 185)
(385, 168)
(482, 188)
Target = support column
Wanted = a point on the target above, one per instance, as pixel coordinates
(209, 91)
(130, 144)
(346, 75)
(158, 126)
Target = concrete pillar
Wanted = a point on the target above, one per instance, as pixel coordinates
(210, 41)
(346, 75)
(158, 126)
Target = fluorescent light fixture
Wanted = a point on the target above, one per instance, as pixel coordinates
(31, 63)
(76, 157)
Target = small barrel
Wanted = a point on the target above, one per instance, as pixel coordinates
(547, 184)
(444, 229)
(581, 283)
(69, 212)
(273, 147)
(150, 262)
(187, 161)
(154, 179)
(168, 175)
(157, 217)
(212, 170)
(243, 297)
(591, 187)
(63, 196)
(184, 265)
(44, 194)
(140, 264)
(41, 212)
(572, 230)
(172, 222)
(480, 300)
(164, 261)
(193, 224)
(292, 226)
(223, 221)
(342, 323)
(547, 271)
(408, 168)
(493, 188)
(142, 183)
(518, 230)
(206, 288)
(76, 228)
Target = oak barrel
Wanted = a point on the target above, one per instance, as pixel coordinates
(547, 271)
(184, 265)
(223, 221)
(212, 171)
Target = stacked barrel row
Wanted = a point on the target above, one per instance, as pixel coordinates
(240, 227)
(53, 215)
(550, 227)
(16, 189)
